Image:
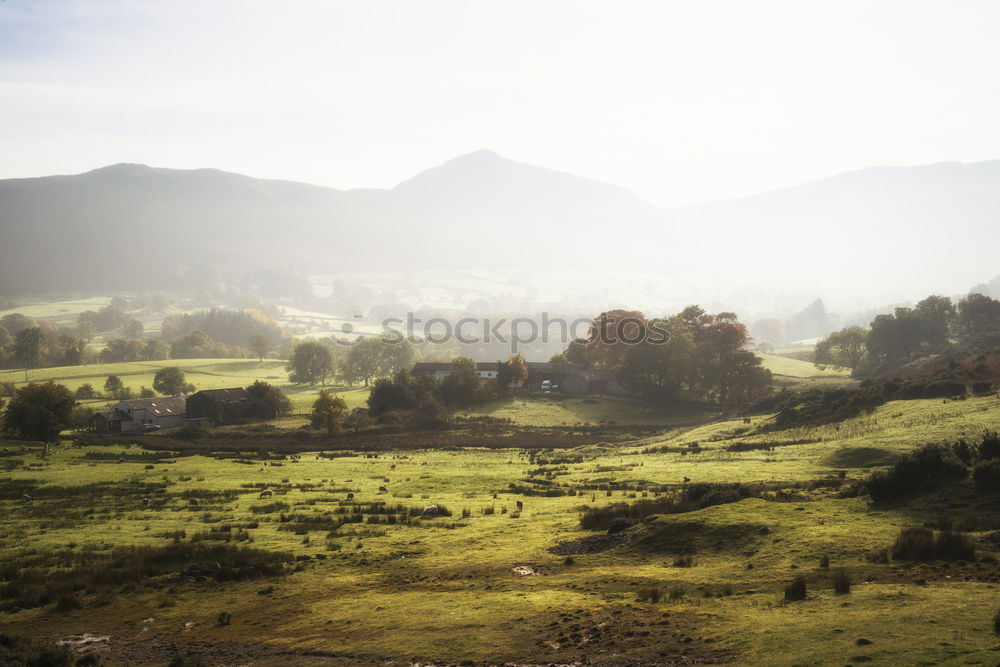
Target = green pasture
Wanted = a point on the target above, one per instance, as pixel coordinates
(797, 368)
(202, 373)
(445, 589)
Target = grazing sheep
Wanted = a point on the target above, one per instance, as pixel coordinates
(145, 501)
(193, 502)
(383, 489)
(266, 493)
(430, 511)
(261, 469)
(25, 497)
(350, 496)
(520, 506)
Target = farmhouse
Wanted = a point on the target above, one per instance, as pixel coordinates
(139, 414)
(570, 378)
(487, 370)
(225, 406)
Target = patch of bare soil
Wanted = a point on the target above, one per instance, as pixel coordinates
(591, 544)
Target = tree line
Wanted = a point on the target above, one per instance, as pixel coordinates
(935, 325)
(692, 354)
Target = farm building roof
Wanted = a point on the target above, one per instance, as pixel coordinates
(161, 407)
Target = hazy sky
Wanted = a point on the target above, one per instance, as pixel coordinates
(678, 101)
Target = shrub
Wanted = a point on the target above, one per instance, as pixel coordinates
(981, 388)
(986, 476)
(224, 618)
(685, 560)
(996, 623)
(17, 651)
(824, 562)
(919, 470)
(85, 391)
(621, 523)
(841, 582)
(796, 590)
(921, 543)
(951, 545)
(649, 595)
(188, 660)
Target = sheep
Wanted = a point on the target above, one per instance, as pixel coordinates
(261, 469)
(383, 489)
(145, 502)
(266, 493)
(350, 496)
(520, 506)
(25, 497)
(430, 511)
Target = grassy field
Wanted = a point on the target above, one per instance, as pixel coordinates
(202, 373)
(482, 585)
(797, 368)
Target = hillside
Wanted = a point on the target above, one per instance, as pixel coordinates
(870, 232)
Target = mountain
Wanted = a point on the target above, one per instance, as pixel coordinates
(134, 225)
(878, 234)
(924, 229)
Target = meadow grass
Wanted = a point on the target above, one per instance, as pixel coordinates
(797, 368)
(202, 373)
(444, 589)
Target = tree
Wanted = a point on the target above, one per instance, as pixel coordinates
(39, 411)
(580, 352)
(658, 370)
(194, 345)
(327, 410)
(121, 350)
(85, 391)
(115, 388)
(260, 345)
(272, 397)
(132, 328)
(514, 371)
(28, 348)
(612, 332)
(846, 348)
(461, 384)
(978, 315)
(74, 349)
(366, 360)
(311, 363)
(518, 370)
(169, 381)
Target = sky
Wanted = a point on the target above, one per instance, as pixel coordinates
(679, 102)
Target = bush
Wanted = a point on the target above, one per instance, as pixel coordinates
(917, 471)
(224, 618)
(85, 391)
(685, 560)
(981, 388)
(620, 524)
(841, 582)
(920, 543)
(824, 562)
(915, 543)
(954, 546)
(652, 595)
(996, 623)
(23, 652)
(796, 590)
(986, 476)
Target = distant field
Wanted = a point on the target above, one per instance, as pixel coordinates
(559, 410)
(202, 373)
(800, 369)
